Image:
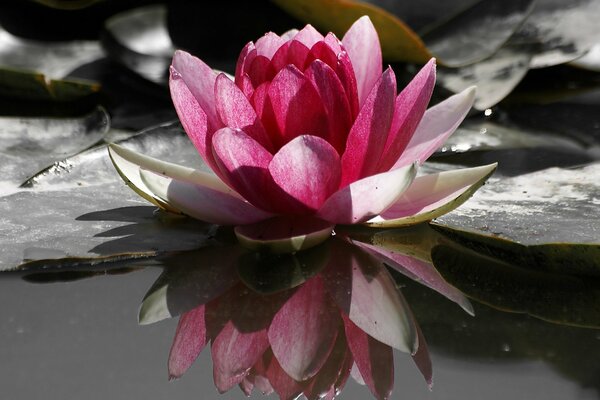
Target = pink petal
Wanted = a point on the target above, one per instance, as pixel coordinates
(245, 163)
(199, 200)
(190, 339)
(192, 117)
(200, 80)
(297, 107)
(430, 196)
(364, 291)
(260, 70)
(236, 112)
(268, 44)
(419, 271)
(367, 197)
(367, 138)
(303, 331)
(286, 387)
(374, 360)
(292, 52)
(345, 72)
(308, 36)
(264, 109)
(322, 51)
(335, 101)
(333, 42)
(284, 234)
(234, 352)
(246, 56)
(307, 169)
(362, 44)
(438, 123)
(410, 106)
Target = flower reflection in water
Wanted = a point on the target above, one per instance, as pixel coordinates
(295, 323)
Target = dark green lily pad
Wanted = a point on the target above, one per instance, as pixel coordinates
(37, 70)
(139, 40)
(476, 33)
(555, 205)
(29, 145)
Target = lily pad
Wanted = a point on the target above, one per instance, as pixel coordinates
(563, 29)
(36, 70)
(85, 210)
(554, 297)
(555, 205)
(398, 41)
(495, 77)
(29, 145)
(139, 40)
(477, 32)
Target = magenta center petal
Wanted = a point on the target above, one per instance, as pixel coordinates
(368, 135)
(236, 112)
(292, 52)
(333, 96)
(245, 163)
(297, 107)
(308, 169)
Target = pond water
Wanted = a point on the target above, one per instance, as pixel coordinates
(81, 340)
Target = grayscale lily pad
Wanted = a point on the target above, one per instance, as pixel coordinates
(554, 297)
(555, 205)
(495, 77)
(28, 145)
(139, 40)
(85, 210)
(477, 32)
(485, 135)
(37, 70)
(563, 29)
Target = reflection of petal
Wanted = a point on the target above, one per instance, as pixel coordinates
(303, 331)
(234, 353)
(374, 360)
(190, 339)
(422, 359)
(365, 291)
(420, 271)
(190, 279)
(325, 381)
(286, 387)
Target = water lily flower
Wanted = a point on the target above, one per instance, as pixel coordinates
(309, 134)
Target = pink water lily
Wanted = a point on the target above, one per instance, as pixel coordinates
(309, 134)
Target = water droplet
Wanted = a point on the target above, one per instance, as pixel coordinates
(488, 112)
(506, 347)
